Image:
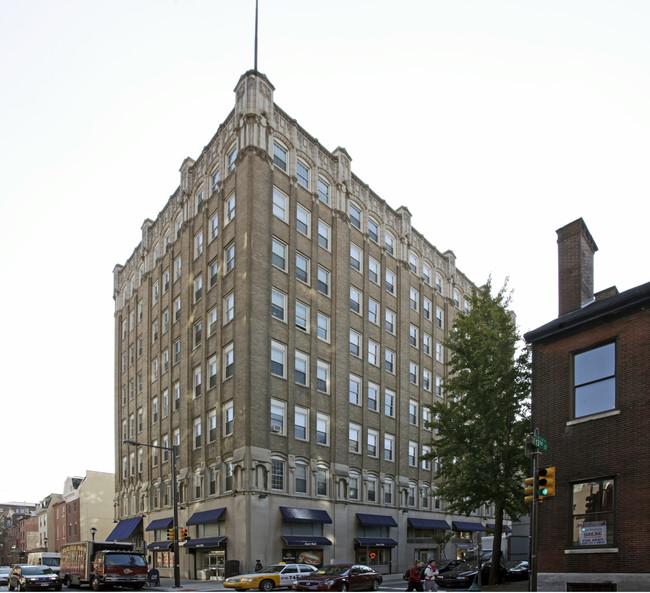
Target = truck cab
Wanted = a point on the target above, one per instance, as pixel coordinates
(115, 568)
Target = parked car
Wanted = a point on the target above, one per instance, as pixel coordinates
(4, 574)
(447, 565)
(24, 576)
(517, 570)
(465, 574)
(269, 577)
(340, 577)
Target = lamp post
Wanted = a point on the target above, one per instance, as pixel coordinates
(177, 572)
(93, 531)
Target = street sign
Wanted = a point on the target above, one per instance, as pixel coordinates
(540, 442)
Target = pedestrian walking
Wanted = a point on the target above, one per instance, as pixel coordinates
(415, 576)
(430, 574)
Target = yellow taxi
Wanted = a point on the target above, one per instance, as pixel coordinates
(270, 577)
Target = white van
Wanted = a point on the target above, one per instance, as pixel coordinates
(51, 559)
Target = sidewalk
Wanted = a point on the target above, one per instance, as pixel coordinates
(392, 582)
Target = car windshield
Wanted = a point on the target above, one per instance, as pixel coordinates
(51, 561)
(5, 569)
(334, 570)
(465, 567)
(34, 570)
(124, 560)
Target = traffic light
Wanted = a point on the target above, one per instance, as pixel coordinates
(546, 482)
(170, 535)
(528, 490)
(182, 535)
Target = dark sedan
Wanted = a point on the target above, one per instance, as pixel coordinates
(4, 574)
(340, 577)
(465, 574)
(517, 570)
(23, 577)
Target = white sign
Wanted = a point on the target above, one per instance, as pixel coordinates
(593, 533)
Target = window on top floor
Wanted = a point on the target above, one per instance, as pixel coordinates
(594, 380)
(302, 174)
(323, 191)
(389, 243)
(232, 158)
(355, 216)
(280, 156)
(373, 230)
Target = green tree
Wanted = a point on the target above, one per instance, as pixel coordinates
(481, 429)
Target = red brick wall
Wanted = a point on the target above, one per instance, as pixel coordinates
(616, 446)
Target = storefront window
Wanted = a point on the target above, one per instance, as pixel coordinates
(373, 556)
(163, 559)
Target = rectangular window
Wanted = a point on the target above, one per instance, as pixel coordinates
(323, 331)
(322, 429)
(277, 474)
(228, 361)
(354, 438)
(301, 371)
(373, 437)
(355, 343)
(355, 390)
(324, 232)
(593, 513)
(373, 395)
(228, 415)
(373, 311)
(389, 447)
(279, 254)
(390, 282)
(594, 380)
(301, 424)
(373, 353)
(301, 478)
(389, 403)
(356, 256)
(322, 377)
(373, 230)
(280, 201)
(355, 300)
(355, 216)
(229, 308)
(323, 281)
(277, 416)
(302, 268)
(303, 220)
(278, 304)
(302, 316)
(229, 258)
(373, 270)
(278, 357)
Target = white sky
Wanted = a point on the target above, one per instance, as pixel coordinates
(494, 122)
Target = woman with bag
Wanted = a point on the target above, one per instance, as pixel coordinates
(430, 577)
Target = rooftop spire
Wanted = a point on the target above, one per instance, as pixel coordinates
(255, 63)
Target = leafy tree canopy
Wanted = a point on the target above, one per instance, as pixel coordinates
(481, 429)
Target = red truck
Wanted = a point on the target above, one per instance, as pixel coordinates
(103, 564)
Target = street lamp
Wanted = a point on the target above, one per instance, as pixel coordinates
(93, 531)
(177, 572)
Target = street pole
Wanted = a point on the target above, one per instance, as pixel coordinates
(177, 568)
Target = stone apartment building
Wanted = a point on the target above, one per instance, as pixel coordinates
(282, 326)
(590, 401)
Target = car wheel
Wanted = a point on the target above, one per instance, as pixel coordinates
(344, 587)
(267, 585)
(375, 585)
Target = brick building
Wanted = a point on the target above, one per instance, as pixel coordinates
(281, 325)
(590, 401)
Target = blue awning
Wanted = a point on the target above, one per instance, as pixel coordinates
(124, 529)
(206, 542)
(306, 540)
(160, 524)
(374, 520)
(160, 546)
(428, 523)
(467, 526)
(210, 516)
(376, 542)
(295, 515)
(504, 529)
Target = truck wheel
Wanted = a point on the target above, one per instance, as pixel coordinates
(267, 585)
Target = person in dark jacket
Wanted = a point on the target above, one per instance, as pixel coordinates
(415, 577)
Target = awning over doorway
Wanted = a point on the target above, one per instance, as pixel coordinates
(306, 540)
(205, 542)
(296, 515)
(428, 523)
(160, 546)
(376, 520)
(376, 542)
(211, 516)
(124, 529)
(467, 526)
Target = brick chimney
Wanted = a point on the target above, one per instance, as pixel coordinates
(576, 248)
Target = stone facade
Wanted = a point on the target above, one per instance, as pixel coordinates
(271, 286)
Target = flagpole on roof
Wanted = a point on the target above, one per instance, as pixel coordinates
(255, 67)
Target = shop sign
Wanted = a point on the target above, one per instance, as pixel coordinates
(593, 533)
